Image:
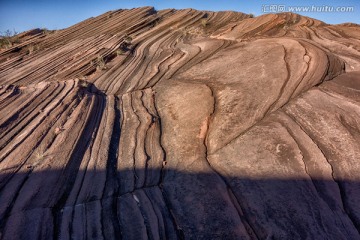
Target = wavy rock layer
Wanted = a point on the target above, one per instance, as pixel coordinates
(182, 124)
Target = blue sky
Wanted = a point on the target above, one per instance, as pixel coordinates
(22, 15)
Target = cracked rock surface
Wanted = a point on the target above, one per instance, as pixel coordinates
(182, 124)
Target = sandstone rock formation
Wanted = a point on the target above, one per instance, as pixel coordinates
(182, 124)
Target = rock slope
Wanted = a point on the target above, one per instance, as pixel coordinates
(181, 124)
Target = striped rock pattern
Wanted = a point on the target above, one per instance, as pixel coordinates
(181, 124)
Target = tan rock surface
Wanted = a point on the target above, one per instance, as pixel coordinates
(182, 124)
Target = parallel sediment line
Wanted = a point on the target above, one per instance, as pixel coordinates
(181, 124)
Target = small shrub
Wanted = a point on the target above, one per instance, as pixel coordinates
(8, 33)
(155, 23)
(8, 38)
(84, 84)
(4, 42)
(15, 40)
(45, 31)
(204, 22)
(119, 52)
(100, 63)
(31, 49)
(39, 154)
(197, 31)
(127, 39)
(251, 15)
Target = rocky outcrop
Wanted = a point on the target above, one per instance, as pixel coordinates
(181, 124)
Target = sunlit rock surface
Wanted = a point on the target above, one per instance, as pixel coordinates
(181, 124)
